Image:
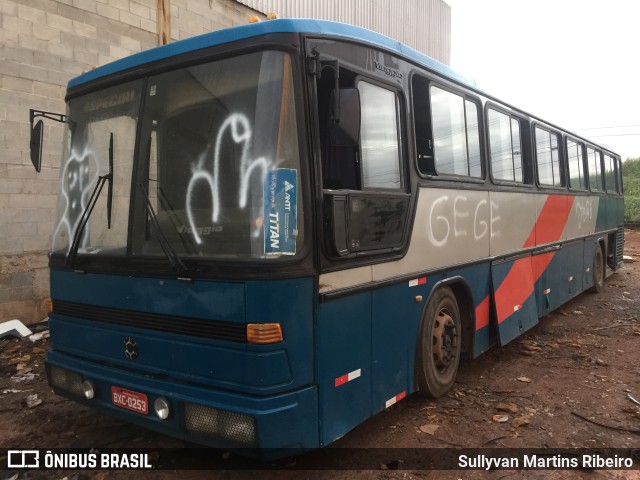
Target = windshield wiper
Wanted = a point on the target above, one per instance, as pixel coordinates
(169, 252)
(93, 199)
(110, 178)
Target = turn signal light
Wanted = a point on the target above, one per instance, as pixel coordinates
(264, 333)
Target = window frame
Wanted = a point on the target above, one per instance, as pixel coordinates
(465, 98)
(616, 189)
(585, 172)
(414, 96)
(598, 151)
(618, 161)
(357, 253)
(524, 164)
(561, 170)
(402, 188)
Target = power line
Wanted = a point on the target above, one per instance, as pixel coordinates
(603, 128)
(617, 135)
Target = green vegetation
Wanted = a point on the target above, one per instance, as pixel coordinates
(631, 182)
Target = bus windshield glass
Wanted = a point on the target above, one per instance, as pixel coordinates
(217, 170)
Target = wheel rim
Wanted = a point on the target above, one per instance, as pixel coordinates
(444, 340)
(598, 268)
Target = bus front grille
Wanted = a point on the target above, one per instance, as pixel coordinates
(194, 327)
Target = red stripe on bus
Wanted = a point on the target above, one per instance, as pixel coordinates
(512, 291)
(482, 313)
(510, 297)
(551, 222)
(515, 289)
(540, 264)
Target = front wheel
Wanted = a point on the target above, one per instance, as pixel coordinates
(598, 270)
(440, 344)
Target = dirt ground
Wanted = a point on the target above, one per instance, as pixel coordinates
(573, 371)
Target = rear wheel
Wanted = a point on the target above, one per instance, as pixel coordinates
(440, 344)
(598, 270)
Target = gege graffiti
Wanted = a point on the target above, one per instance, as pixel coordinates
(458, 216)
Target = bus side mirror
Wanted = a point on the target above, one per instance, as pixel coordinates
(36, 144)
(345, 125)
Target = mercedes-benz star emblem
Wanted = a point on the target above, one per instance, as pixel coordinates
(130, 348)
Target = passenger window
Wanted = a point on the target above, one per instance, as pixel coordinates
(548, 158)
(379, 146)
(575, 156)
(610, 174)
(595, 170)
(456, 135)
(505, 147)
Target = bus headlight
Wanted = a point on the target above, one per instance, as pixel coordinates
(161, 406)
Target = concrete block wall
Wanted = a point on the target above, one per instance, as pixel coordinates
(43, 44)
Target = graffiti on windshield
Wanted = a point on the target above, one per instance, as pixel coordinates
(79, 176)
(238, 128)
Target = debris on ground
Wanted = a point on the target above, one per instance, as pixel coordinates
(14, 328)
(633, 399)
(39, 336)
(520, 421)
(23, 377)
(507, 407)
(33, 401)
(429, 428)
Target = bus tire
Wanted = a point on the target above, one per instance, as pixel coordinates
(598, 270)
(440, 343)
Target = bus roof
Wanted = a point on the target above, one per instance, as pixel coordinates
(308, 26)
(321, 27)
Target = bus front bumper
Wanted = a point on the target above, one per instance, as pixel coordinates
(272, 426)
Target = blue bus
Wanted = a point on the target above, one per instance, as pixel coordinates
(266, 235)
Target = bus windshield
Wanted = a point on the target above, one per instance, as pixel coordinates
(216, 173)
(93, 120)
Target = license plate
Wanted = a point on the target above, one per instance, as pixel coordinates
(134, 401)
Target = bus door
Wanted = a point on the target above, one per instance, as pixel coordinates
(361, 347)
(512, 287)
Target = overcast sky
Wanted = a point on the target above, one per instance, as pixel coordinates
(574, 63)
